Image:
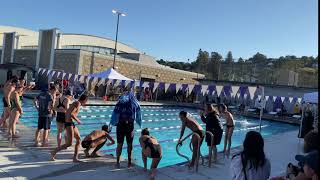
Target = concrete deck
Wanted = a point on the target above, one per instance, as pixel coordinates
(20, 160)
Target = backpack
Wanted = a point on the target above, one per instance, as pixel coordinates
(44, 99)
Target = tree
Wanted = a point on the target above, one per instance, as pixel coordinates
(202, 61)
(229, 58)
(214, 65)
(258, 58)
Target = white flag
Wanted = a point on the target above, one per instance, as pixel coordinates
(274, 98)
(190, 87)
(48, 72)
(282, 98)
(252, 90)
(234, 90)
(145, 84)
(75, 77)
(259, 97)
(63, 74)
(219, 89)
(155, 86)
(58, 73)
(166, 86)
(178, 86)
(102, 80)
(81, 79)
(267, 98)
(299, 100)
(290, 99)
(43, 71)
(126, 83)
(204, 89)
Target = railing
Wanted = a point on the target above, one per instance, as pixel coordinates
(198, 154)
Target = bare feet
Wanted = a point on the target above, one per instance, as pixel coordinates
(76, 160)
(86, 153)
(53, 156)
(117, 166)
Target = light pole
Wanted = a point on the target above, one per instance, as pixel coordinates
(115, 46)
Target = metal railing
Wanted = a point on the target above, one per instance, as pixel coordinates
(190, 145)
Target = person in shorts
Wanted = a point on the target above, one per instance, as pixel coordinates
(214, 126)
(44, 104)
(95, 140)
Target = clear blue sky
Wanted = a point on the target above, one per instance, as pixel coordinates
(176, 29)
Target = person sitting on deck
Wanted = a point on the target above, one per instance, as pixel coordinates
(96, 139)
(152, 149)
(251, 163)
(193, 125)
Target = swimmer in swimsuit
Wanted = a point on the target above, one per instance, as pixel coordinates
(229, 129)
(71, 130)
(8, 88)
(150, 149)
(16, 111)
(193, 125)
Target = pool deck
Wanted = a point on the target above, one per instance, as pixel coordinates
(20, 160)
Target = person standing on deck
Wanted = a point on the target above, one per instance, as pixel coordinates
(61, 108)
(229, 129)
(8, 88)
(16, 110)
(126, 111)
(71, 129)
(213, 125)
(44, 104)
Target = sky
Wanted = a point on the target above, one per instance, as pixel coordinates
(177, 29)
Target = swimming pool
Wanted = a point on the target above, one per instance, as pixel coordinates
(164, 124)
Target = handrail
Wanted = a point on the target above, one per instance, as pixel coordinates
(210, 148)
(197, 158)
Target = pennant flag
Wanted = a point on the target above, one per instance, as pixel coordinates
(155, 86)
(259, 97)
(48, 72)
(75, 77)
(234, 90)
(178, 86)
(290, 99)
(190, 87)
(63, 75)
(58, 74)
(145, 84)
(126, 83)
(299, 100)
(39, 70)
(282, 98)
(267, 98)
(252, 90)
(204, 89)
(44, 71)
(81, 79)
(51, 74)
(102, 81)
(218, 90)
(166, 86)
(245, 96)
(69, 76)
(274, 98)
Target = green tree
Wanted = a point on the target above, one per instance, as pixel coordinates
(214, 65)
(229, 58)
(258, 58)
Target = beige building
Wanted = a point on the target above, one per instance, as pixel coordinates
(85, 54)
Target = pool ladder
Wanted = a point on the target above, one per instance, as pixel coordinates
(199, 152)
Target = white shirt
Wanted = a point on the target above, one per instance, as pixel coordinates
(262, 173)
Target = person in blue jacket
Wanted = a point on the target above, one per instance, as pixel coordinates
(126, 111)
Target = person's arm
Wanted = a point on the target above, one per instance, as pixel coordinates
(74, 112)
(203, 118)
(183, 127)
(110, 139)
(66, 104)
(35, 102)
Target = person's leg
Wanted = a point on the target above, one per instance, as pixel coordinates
(225, 141)
(6, 114)
(154, 165)
(59, 133)
(194, 142)
(11, 120)
(69, 132)
(144, 159)
(97, 144)
(129, 139)
(230, 132)
(214, 153)
(77, 146)
(120, 140)
(119, 151)
(14, 123)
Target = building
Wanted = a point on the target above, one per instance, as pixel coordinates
(83, 54)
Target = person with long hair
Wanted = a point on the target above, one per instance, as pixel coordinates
(16, 110)
(214, 126)
(251, 163)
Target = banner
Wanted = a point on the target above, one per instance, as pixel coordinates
(282, 98)
(290, 99)
(204, 89)
(178, 86)
(299, 100)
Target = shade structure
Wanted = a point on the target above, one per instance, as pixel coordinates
(311, 97)
(110, 74)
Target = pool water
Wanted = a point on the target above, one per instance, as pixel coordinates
(164, 124)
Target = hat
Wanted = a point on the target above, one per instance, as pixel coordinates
(311, 159)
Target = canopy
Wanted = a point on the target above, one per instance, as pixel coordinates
(110, 74)
(311, 97)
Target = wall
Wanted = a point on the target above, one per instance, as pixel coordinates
(26, 57)
(68, 60)
(90, 63)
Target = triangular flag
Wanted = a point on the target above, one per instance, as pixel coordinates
(63, 75)
(252, 90)
(52, 73)
(166, 86)
(245, 96)
(190, 87)
(40, 69)
(267, 98)
(126, 83)
(290, 99)
(234, 90)
(81, 79)
(178, 86)
(102, 80)
(69, 76)
(145, 84)
(259, 97)
(58, 74)
(274, 98)
(43, 71)
(155, 86)
(218, 90)
(75, 77)
(282, 98)
(48, 72)
(204, 89)
(299, 100)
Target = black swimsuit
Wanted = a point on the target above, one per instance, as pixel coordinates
(61, 116)
(5, 103)
(154, 152)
